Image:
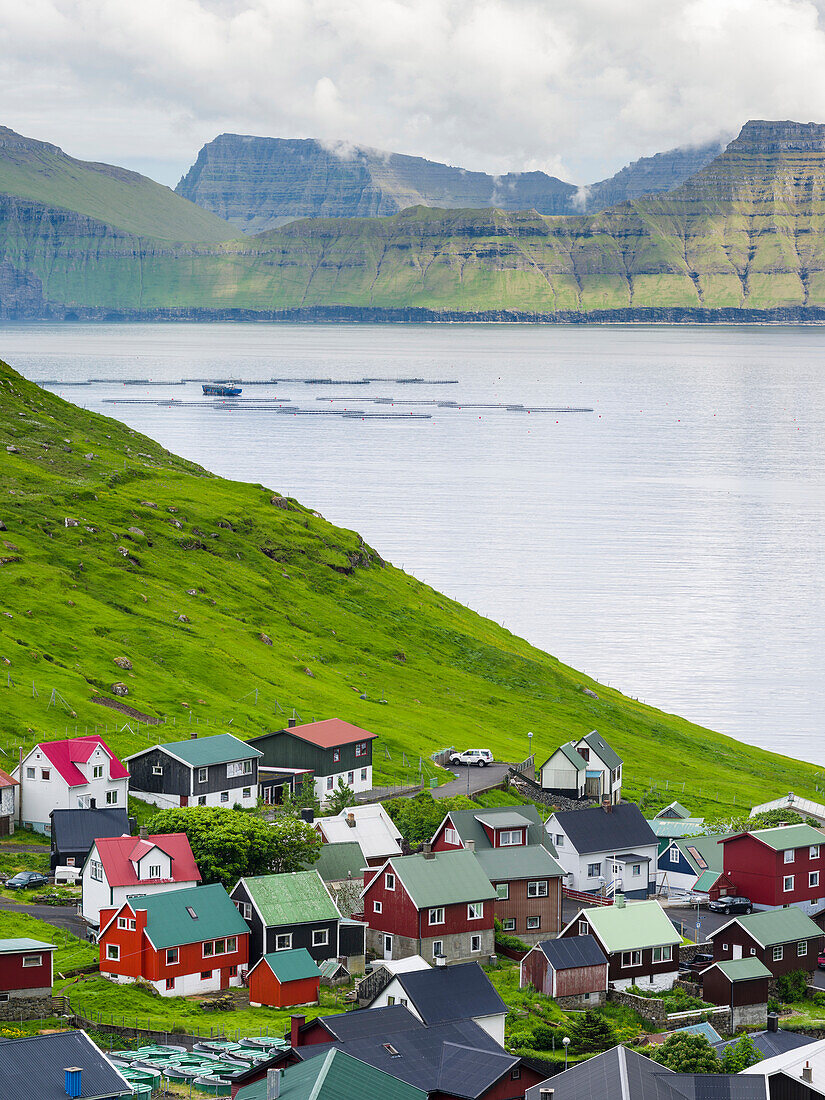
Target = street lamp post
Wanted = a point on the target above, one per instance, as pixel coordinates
(530, 744)
(566, 1042)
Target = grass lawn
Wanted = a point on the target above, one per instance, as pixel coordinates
(71, 952)
(104, 1003)
(23, 836)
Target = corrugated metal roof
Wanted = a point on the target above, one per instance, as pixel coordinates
(16, 946)
(451, 993)
(741, 970)
(673, 810)
(774, 926)
(374, 830)
(705, 881)
(770, 1043)
(170, 924)
(447, 878)
(295, 898)
(597, 743)
(290, 966)
(704, 853)
(36, 1066)
(77, 829)
(509, 864)
(337, 862)
(619, 1073)
(336, 1076)
(507, 819)
(595, 830)
(788, 836)
(329, 733)
(571, 952)
(221, 748)
(703, 1028)
(632, 926)
(677, 827)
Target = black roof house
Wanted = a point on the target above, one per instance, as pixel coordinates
(75, 831)
(770, 1043)
(572, 952)
(623, 828)
(443, 993)
(45, 1059)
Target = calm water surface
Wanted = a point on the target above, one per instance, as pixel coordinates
(669, 543)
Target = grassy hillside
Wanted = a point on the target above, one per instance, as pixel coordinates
(43, 173)
(183, 573)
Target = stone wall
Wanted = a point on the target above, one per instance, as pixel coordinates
(32, 1005)
(750, 1016)
(688, 951)
(654, 1012)
(593, 1001)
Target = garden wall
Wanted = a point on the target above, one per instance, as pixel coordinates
(654, 1012)
(31, 1008)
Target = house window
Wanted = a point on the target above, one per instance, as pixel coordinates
(533, 923)
(224, 796)
(509, 924)
(336, 756)
(201, 799)
(509, 837)
(674, 855)
(584, 928)
(170, 983)
(208, 948)
(390, 1001)
(329, 782)
(4, 997)
(320, 937)
(203, 775)
(662, 954)
(247, 792)
(238, 768)
(350, 778)
(112, 952)
(122, 922)
(503, 891)
(787, 883)
(96, 870)
(813, 878)
(363, 775)
(753, 951)
(594, 870)
(778, 953)
(726, 947)
(132, 926)
(111, 798)
(475, 945)
(389, 881)
(631, 958)
(377, 907)
(361, 748)
(70, 861)
(233, 971)
(559, 840)
(32, 960)
(637, 870)
(157, 770)
(789, 854)
(450, 836)
(97, 771)
(537, 889)
(436, 916)
(475, 910)
(171, 956)
(29, 773)
(154, 870)
(438, 948)
(802, 948)
(45, 773)
(814, 851)
(245, 909)
(283, 942)
(206, 975)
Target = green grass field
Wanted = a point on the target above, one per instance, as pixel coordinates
(183, 574)
(71, 954)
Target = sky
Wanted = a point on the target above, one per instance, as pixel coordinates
(576, 88)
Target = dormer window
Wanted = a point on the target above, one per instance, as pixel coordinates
(154, 870)
(97, 771)
(509, 837)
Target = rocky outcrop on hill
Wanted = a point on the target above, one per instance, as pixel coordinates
(649, 176)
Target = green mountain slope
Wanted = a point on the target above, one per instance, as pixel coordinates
(43, 173)
(742, 239)
(231, 602)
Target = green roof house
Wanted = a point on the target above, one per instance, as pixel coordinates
(288, 911)
(782, 939)
(220, 770)
(333, 1076)
(587, 768)
(641, 943)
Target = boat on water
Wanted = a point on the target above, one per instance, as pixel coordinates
(215, 389)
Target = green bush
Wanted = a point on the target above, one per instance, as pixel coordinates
(591, 1033)
(792, 987)
(503, 940)
(543, 1037)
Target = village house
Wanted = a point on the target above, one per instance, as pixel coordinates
(331, 750)
(455, 1060)
(513, 850)
(369, 825)
(605, 850)
(780, 866)
(572, 970)
(26, 969)
(438, 995)
(78, 773)
(220, 770)
(58, 1065)
(796, 1074)
(671, 828)
(7, 789)
(773, 1040)
(587, 768)
(182, 942)
(126, 866)
(74, 831)
(332, 1077)
(742, 986)
(694, 864)
(288, 911)
(783, 939)
(439, 905)
(641, 944)
(284, 979)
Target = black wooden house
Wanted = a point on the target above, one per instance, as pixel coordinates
(331, 750)
(208, 771)
(288, 911)
(75, 831)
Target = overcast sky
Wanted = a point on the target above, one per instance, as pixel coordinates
(574, 87)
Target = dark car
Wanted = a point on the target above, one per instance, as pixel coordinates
(731, 905)
(697, 964)
(26, 879)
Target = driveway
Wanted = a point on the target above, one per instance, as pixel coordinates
(62, 916)
(470, 779)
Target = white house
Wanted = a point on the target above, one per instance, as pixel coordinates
(606, 849)
(122, 867)
(79, 773)
(587, 768)
(221, 770)
(370, 825)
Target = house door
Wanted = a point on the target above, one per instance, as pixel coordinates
(184, 800)
(387, 947)
(737, 951)
(592, 786)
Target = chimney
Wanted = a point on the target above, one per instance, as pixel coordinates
(143, 832)
(807, 1073)
(619, 901)
(773, 1021)
(351, 819)
(193, 737)
(292, 723)
(296, 1023)
(607, 805)
(273, 1084)
(72, 1078)
(469, 845)
(308, 815)
(428, 850)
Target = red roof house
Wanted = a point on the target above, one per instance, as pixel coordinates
(117, 867)
(777, 867)
(76, 773)
(332, 750)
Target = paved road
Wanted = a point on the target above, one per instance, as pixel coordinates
(479, 779)
(63, 916)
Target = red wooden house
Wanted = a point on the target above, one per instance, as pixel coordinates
(776, 867)
(181, 942)
(282, 979)
(26, 969)
(438, 905)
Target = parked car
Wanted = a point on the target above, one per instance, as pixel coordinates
(731, 905)
(480, 757)
(820, 962)
(25, 879)
(697, 964)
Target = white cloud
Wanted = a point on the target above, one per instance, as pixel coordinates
(576, 89)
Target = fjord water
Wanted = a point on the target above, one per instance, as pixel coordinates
(670, 542)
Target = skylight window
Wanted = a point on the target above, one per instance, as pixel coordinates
(191, 912)
(390, 1049)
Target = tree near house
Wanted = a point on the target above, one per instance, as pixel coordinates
(740, 1055)
(686, 1053)
(340, 798)
(230, 844)
(304, 797)
(591, 1033)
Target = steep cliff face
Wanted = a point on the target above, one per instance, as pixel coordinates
(649, 176)
(743, 238)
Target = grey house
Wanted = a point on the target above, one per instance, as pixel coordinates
(204, 771)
